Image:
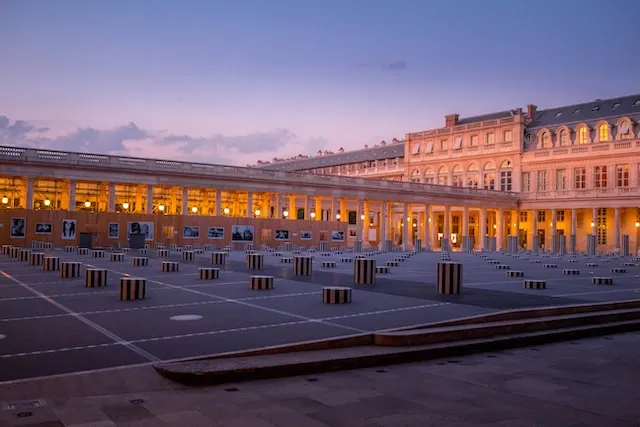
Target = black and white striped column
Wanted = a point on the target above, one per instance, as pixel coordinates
(624, 248)
(140, 261)
(357, 246)
(562, 245)
(261, 283)
(51, 263)
(218, 258)
(95, 277)
(69, 269)
(324, 246)
(116, 257)
(364, 271)
(302, 266)
(336, 295)
(591, 244)
(24, 255)
(170, 266)
(132, 288)
(98, 253)
(208, 273)
(36, 258)
(449, 280)
(255, 261)
(572, 244)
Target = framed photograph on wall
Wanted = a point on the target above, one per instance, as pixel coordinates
(337, 236)
(305, 235)
(353, 233)
(18, 228)
(242, 233)
(114, 230)
(141, 227)
(282, 234)
(216, 233)
(68, 229)
(190, 232)
(44, 228)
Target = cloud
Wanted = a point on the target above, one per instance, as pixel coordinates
(131, 140)
(396, 66)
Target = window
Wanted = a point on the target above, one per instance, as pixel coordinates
(576, 111)
(526, 181)
(472, 181)
(636, 103)
(583, 135)
(615, 105)
(600, 177)
(564, 137)
(415, 149)
(508, 136)
(542, 216)
(560, 215)
(603, 132)
(444, 145)
(505, 180)
(473, 142)
(442, 179)
(542, 181)
(491, 138)
(601, 233)
(524, 217)
(457, 181)
(559, 113)
(489, 181)
(561, 179)
(580, 178)
(458, 144)
(596, 108)
(546, 140)
(622, 175)
(429, 148)
(624, 130)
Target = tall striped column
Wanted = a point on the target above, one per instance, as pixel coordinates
(624, 249)
(302, 266)
(364, 271)
(534, 243)
(444, 244)
(449, 278)
(562, 246)
(572, 244)
(591, 244)
(358, 246)
(324, 246)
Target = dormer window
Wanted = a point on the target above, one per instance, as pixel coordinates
(583, 135)
(546, 140)
(564, 137)
(603, 132)
(458, 143)
(596, 108)
(415, 149)
(636, 103)
(576, 111)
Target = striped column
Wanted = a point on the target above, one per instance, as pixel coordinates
(591, 244)
(534, 243)
(24, 255)
(36, 258)
(116, 257)
(554, 244)
(51, 263)
(208, 273)
(170, 266)
(140, 261)
(302, 266)
(261, 283)
(218, 258)
(324, 246)
(387, 246)
(364, 271)
(336, 295)
(449, 278)
(132, 288)
(69, 269)
(255, 261)
(357, 246)
(624, 249)
(444, 244)
(417, 245)
(98, 253)
(572, 244)
(95, 277)
(15, 252)
(562, 246)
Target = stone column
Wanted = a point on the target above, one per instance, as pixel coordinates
(111, 204)
(307, 207)
(29, 193)
(318, 208)
(446, 234)
(574, 231)
(72, 195)
(185, 201)
(499, 228)
(482, 228)
(616, 229)
(427, 228)
(594, 220)
(405, 226)
(218, 207)
(344, 216)
(466, 242)
(516, 224)
(383, 221)
(292, 207)
(534, 230)
(365, 225)
(554, 227)
(250, 204)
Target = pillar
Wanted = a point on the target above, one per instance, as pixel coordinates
(343, 210)
(29, 193)
(218, 206)
(516, 225)
(574, 232)
(307, 207)
(185, 201)
(250, 205)
(554, 238)
(594, 220)
(616, 229)
(482, 226)
(405, 226)
(499, 228)
(318, 208)
(72, 195)
(446, 233)
(292, 207)
(384, 205)
(534, 230)
(365, 224)
(427, 228)
(111, 204)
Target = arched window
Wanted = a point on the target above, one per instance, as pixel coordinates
(506, 172)
(546, 140)
(563, 137)
(603, 132)
(458, 175)
(625, 130)
(443, 176)
(415, 176)
(583, 135)
(489, 176)
(429, 176)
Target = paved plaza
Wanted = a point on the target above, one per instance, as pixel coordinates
(52, 325)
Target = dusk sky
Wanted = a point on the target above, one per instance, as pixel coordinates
(235, 81)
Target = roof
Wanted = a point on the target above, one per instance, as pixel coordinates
(588, 111)
(375, 153)
(491, 116)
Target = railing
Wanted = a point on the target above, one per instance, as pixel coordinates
(585, 148)
(461, 128)
(30, 155)
(582, 193)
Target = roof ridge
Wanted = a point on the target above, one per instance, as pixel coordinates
(591, 102)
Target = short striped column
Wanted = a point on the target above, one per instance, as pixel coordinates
(535, 244)
(570, 271)
(6, 250)
(170, 266)
(515, 273)
(328, 264)
(218, 258)
(208, 273)
(261, 283)
(336, 295)
(444, 244)
(286, 260)
(163, 253)
(97, 253)
(602, 280)
(364, 271)
(15, 252)
(24, 255)
(382, 269)
(562, 244)
(302, 266)
(116, 257)
(82, 251)
(449, 280)
(392, 263)
(188, 255)
(248, 247)
(95, 277)
(188, 247)
(51, 263)
(357, 246)
(140, 261)
(36, 258)
(255, 261)
(324, 246)
(535, 284)
(132, 288)
(69, 269)
(624, 249)
(572, 244)
(417, 245)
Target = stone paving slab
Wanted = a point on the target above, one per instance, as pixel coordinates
(586, 383)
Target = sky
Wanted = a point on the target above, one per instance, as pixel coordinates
(234, 81)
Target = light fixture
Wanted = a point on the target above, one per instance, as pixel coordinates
(637, 224)
(87, 204)
(495, 226)
(593, 224)
(47, 202)
(125, 205)
(313, 214)
(258, 212)
(337, 216)
(408, 219)
(551, 224)
(194, 209)
(5, 200)
(415, 225)
(362, 217)
(285, 213)
(161, 208)
(429, 219)
(226, 211)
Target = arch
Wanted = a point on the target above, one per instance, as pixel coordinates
(457, 169)
(564, 136)
(506, 164)
(624, 127)
(429, 171)
(603, 131)
(583, 134)
(473, 167)
(443, 169)
(416, 172)
(489, 166)
(545, 139)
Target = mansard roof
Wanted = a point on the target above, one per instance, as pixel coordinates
(588, 112)
(482, 118)
(374, 153)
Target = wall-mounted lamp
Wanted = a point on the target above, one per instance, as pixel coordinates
(226, 211)
(5, 200)
(125, 205)
(257, 212)
(47, 202)
(161, 208)
(194, 209)
(285, 213)
(312, 214)
(87, 204)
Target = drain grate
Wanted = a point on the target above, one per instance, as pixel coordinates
(231, 389)
(137, 401)
(21, 405)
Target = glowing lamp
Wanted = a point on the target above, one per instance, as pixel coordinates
(47, 202)
(285, 213)
(337, 216)
(161, 208)
(194, 209)
(87, 204)
(5, 200)
(258, 212)
(637, 224)
(362, 217)
(226, 211)
(313, 214)
(125, 205)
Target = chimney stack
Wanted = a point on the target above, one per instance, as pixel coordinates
(451, 120)
(531, 111)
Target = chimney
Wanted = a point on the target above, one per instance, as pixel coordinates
(451, 120)
(518, 111)
(531, 111)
